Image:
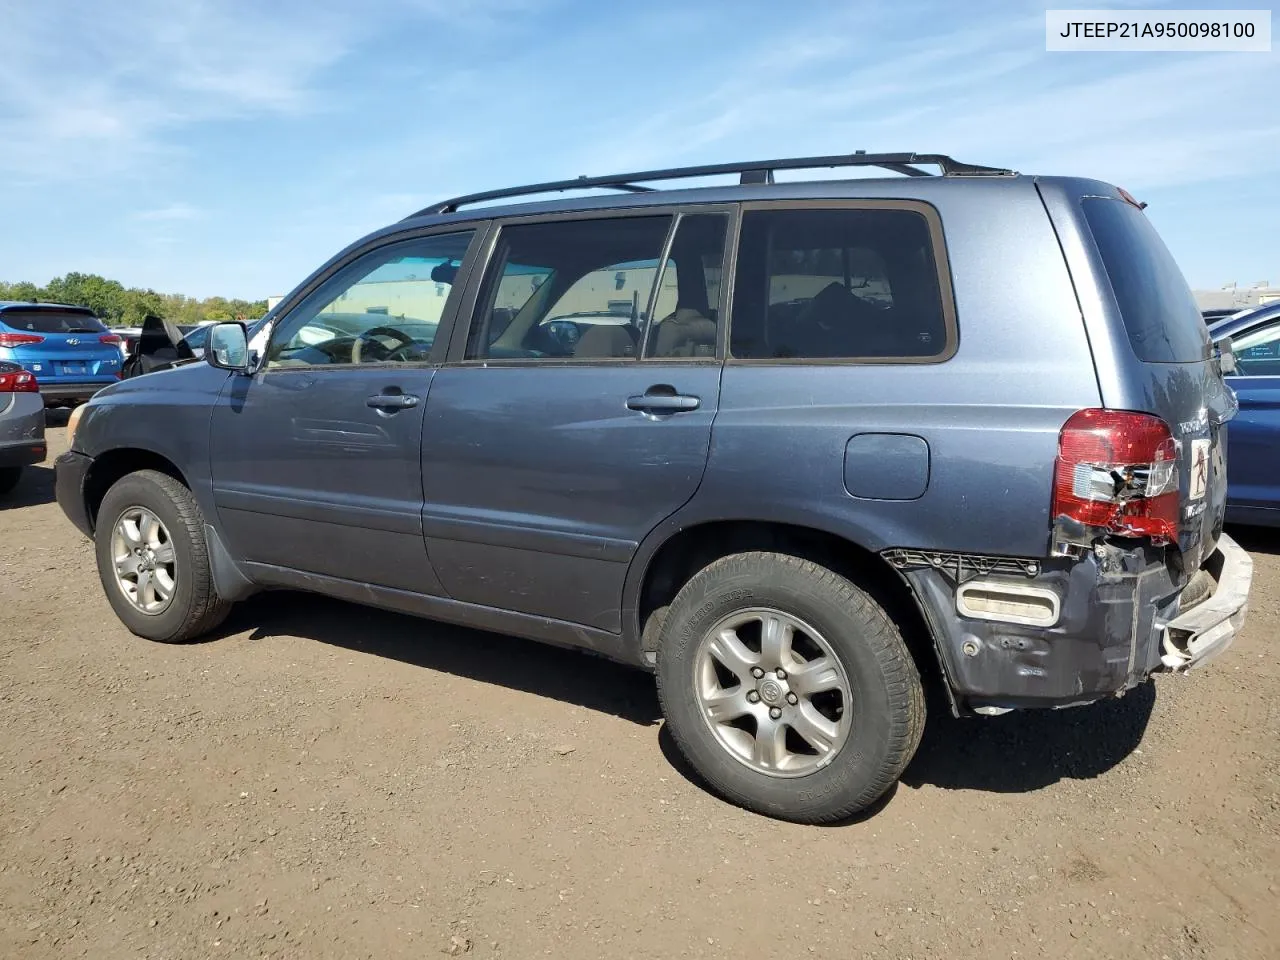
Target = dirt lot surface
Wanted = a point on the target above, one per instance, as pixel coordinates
(325, 781)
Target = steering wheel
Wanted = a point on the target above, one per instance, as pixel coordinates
(369, 336)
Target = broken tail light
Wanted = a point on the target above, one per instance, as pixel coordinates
(1117, 471)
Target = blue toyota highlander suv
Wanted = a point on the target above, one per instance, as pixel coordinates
(788, 445)
(69, 351)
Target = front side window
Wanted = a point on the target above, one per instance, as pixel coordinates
(1258, 352)
(568, 290)
(838, 284)
(385, 307)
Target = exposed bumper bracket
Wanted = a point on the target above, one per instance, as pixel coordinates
(1194, 638)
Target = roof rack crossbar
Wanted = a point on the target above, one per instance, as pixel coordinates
(756, 171)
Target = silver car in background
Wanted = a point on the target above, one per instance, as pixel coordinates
(21, 423)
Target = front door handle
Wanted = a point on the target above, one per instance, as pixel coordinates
(392, 401)
(663, 403)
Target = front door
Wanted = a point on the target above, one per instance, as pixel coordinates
(1253, 439)
(316, 458)
(577, 414)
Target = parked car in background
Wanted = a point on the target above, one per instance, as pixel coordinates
(70, 351)
(21, 423)
(128, 339)
(1218, 313)
(195, 335)
(1253, 492)
(848, 431)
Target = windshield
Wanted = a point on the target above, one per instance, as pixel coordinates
(52, 321)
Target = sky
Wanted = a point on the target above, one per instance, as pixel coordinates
(231, 146)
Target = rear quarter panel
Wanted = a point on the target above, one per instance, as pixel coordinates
(990, 415)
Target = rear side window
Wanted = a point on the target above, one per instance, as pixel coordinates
(838, 284)
(568, 290)
(1159, 313)
(52, 321)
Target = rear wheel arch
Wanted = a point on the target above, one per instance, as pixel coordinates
(666, 566)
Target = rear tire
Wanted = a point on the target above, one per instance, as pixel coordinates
(9, 477)
(819, 737)
(153, 560)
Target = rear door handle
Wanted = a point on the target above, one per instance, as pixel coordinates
(392, 401)
(663, 403)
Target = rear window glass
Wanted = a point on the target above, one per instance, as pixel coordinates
(1159, 312)
(51, 321)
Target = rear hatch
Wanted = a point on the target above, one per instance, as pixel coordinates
(60, 343)
(1177, 377)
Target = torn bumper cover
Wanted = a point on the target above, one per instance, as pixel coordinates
(1198, 635)
(1058, 632)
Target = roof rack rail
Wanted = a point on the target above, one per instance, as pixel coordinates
(756, 171)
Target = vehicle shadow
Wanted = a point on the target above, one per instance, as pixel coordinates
(566, 675)
(1020, 752)
(34, 488)
(1027, 750)
(1257, 539)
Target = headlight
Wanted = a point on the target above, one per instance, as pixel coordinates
(72, 422)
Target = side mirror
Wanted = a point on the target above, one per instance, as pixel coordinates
(1227, 358)
(228, 347)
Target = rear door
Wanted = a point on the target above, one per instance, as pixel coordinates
(576, 413)
(1255, 433)
(60, 344)
(1170, 369)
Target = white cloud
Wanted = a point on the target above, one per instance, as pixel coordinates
(174, 211)
(91, 91)
(987, 95)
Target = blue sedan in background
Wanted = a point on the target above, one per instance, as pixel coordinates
(1253, 439)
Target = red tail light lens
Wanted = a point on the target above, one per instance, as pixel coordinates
(19, 339)
(109, 338)
(1118, 471)
(18, 382)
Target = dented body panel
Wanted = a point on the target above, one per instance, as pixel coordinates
(1106, 640)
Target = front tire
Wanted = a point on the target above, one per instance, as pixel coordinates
(788, 688)
(153, 560)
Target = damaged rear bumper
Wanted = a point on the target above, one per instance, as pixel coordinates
(1065, 631)
(1198, 635)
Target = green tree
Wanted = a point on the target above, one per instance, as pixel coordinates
(115, 304)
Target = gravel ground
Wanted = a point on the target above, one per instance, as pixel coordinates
(325, 781)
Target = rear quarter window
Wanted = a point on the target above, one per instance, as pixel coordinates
(1159, 313)
(840, 283)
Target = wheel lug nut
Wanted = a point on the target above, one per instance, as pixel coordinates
(752, 696)
(757, 672)
(775, 712)
(792, 699)
(780, 674)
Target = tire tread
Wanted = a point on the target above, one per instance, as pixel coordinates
(207, 609)
(899, 670)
